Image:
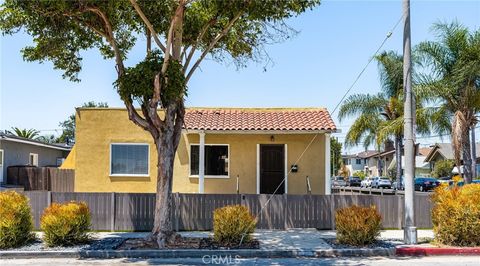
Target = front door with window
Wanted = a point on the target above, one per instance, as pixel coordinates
(272, 169)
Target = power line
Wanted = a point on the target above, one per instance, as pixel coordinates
(389, 34)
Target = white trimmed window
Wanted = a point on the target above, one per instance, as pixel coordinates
(216, 160)
(129, 159)
(33, 159)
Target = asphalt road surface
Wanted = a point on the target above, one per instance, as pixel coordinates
(393, 261)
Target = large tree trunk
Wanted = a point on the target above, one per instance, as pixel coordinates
(398, 158)
(467, 157)
(162, 231)
(166, 144)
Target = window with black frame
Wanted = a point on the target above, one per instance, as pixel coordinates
(216, 160)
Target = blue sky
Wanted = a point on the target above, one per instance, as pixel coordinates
(314, 69)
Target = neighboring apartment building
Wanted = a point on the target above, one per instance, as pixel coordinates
(444, 151)
(374, 163)
(361, 161)
(16, 151)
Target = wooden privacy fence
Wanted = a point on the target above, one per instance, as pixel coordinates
(135, 211)
(41, 178)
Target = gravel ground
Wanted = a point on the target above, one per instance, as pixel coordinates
(377, 244)
(95, 244)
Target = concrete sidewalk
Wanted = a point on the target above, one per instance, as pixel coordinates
(291, 239)
(291, 243)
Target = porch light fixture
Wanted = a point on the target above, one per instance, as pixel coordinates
(272, 138)
(294, 168)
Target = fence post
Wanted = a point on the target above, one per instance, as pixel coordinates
(285, 211)
(176, 211)
(112, 210)
(49, 198)
(332, 211)
(399, 211)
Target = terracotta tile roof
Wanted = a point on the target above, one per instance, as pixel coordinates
(258, 119)
(424, 151)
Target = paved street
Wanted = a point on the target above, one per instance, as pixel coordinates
(437, 261)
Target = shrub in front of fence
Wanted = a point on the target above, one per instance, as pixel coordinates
(233, 224)
(357, 226)
(456, 215)
(16, 222)
(66, 224)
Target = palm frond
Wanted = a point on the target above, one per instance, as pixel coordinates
(390, 66)
(362, 130)
(358, 104)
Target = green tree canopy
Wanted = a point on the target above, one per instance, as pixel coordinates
(335, 155)
(443, 168)
(451, 83)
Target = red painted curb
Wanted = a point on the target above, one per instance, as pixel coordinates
(434, 251)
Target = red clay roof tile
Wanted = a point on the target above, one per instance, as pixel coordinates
(286, 119)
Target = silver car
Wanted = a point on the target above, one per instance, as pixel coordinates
(338, 181)
(381, 182)
(367, 182)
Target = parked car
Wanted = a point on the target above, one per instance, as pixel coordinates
(338, 181)
(402, 184)
(461, 183)
(445, 180)
(354, 181)
(381, 182)
(426, 183)
(367, 182)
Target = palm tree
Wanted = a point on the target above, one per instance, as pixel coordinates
(453, 84)
(380, 116)
(377, 112)
(26, 133)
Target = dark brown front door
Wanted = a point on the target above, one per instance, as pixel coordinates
(272, 169)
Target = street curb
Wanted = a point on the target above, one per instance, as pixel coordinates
(199, 253)
(436, 251)
(356, 252)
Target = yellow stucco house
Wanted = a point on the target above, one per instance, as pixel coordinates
(246, 150)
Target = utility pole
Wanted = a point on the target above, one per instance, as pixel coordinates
(410, 231)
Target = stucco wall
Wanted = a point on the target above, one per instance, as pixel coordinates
(97, 128)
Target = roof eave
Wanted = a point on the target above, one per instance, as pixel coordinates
(7, 138)
(196, 131)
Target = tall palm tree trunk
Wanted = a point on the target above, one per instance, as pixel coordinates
(467, 157)
(474, 152)
(398, 159)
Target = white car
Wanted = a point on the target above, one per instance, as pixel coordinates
(381, 182)
(366, 182)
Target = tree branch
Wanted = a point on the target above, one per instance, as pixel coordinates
(157, 84)
(149, 25)
(212, 44)
(132, 113)
(149, 41)
(194, 47)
